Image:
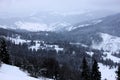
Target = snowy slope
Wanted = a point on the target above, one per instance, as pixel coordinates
(41, 26)
(107, 73)
(31, 26)
(85, 24)
(8, 72)
(111, 57)
(110, 45)
(37, 26)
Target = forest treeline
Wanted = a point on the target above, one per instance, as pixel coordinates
(52, 64)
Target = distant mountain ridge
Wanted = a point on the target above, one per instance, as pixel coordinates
(45, 21)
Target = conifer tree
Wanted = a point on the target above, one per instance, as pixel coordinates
(85, 70)
(118, 73)
(4, 56)
(96, 75)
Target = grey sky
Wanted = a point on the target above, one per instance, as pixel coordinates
(57, 5)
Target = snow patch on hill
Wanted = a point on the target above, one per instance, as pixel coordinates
(38, 26)
(42, 45)
(30, 26)
(35, 26)
(97, 21)
(18, 40)
(8, 72)
(108, 55)
(90, 53)
(110, 43)
(38, 44)
(85, 24)
(3, 26)
(60, 26)
(107, 73)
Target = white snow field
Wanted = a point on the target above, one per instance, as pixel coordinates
(8, 72)
(110, 45)
(107, 73)
(18, 40)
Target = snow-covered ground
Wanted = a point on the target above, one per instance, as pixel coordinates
(17, 40)
(36, 46)
(56, 47)
(110, 45)
(111, 57)
(97, 21)
(56, 26)
(8, 72)
(84, 25)
(36, 26)
(7, 27)
(78, 44)
(90, 53)
(107, 73)
(31, 26)
(45, 46)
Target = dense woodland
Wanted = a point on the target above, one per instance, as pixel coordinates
(62, 65)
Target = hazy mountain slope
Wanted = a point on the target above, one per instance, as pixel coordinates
(110, 43)
(88, 31)
(109, 24)
(49, 21)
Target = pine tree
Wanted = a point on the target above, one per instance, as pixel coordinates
(4, 56)
(85, 70)
(0, 63)
(96, 75)
(118, 73)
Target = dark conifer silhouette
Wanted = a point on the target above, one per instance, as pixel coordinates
(96, 75)
(85, 70)
(4, 56)
(118, 73)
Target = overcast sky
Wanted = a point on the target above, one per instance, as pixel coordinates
(58, 5)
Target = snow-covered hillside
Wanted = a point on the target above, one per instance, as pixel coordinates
(110, 45)
(30, 26)
(107, 73)
(37, 26)
(8, 72)
(85, 24)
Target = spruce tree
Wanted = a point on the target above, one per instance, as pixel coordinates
(118, 73)
(96, 75)
(0, 62)
(4, 56)
(85, 70)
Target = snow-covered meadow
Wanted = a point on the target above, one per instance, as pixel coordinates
(8, 72)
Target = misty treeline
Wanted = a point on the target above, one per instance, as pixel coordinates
(62, 65)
